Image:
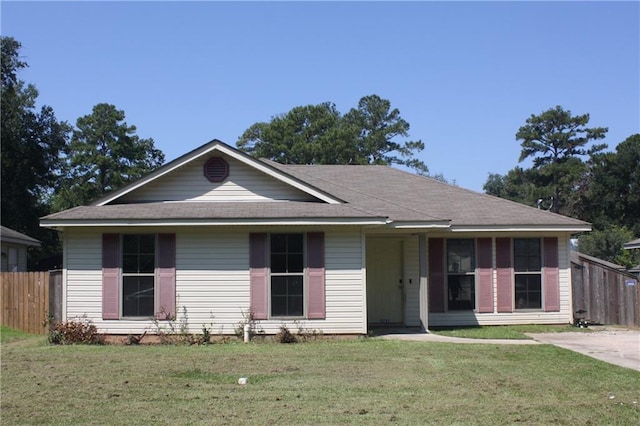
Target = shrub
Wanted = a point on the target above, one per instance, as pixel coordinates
(75, 331)
(285, 336)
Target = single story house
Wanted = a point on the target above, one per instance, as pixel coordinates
(14, 246)
(633, 245)
(217, 234)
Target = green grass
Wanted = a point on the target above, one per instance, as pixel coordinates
(360, 381)
(9, 334)
(504, 331)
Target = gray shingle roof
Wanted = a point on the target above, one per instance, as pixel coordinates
(194, 210)
(12, 236)
(405, 196)
(368, 192)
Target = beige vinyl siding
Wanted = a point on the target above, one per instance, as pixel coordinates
(83, 275)
(188, 183)
(519, 317)
(212, 282)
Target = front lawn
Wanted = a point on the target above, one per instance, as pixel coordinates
(504, 331)
(365, 381)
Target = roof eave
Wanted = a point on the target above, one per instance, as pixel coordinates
(420, 225)
(523, 228)
(298, 221)
(30, 243)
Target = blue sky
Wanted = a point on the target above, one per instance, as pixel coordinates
(465, 75)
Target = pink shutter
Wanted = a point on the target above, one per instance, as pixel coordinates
(504, 275)
(436, 274)
(166, 285)
(551, 275)
(110, 276)
(315, 276)
(485, 276)
(258, 276)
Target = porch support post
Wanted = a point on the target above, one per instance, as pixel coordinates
(424, 291)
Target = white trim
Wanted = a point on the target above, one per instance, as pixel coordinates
(217, 145)
(209, 222)
(521, 228)
(444, 224)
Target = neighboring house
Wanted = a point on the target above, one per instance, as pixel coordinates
(633, 245)
(14, 247)
(217, 234)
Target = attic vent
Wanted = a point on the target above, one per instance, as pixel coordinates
(216, 169)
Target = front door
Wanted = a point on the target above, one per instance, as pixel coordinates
(385, 289)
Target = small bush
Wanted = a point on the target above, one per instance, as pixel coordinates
(248, 318)
(285, 336)
(75, 331)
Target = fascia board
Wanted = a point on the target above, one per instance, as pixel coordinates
(521, 228)
(210, 222)
(445, 224)
(20, 241)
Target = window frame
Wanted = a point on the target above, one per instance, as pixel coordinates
(539, 273)
(123, 275)
(472, 272)
(302, 274)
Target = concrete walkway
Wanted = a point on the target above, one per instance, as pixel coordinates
(419, 336)
(616, 346)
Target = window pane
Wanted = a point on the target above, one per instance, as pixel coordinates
(138, 253)
(130, 244)
(528, 291)
(460, 255)
(527, 255)
(462, 294)
(137, 297)
(287, 296)
(294, 243)
(296, 262)
(278, 262)
(129, 263)
(287, 253)
(279, 286)
(147, 263)
(278, 243)
(147, 243)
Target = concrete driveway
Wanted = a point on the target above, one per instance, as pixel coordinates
(616, 346)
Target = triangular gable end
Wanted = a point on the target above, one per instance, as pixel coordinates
(146, 188)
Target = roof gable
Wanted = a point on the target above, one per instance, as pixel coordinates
(153, 186)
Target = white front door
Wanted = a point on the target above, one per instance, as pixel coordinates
(385, 288)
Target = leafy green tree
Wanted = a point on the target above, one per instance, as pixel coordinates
(611, 193)
(521, 185)
(31, 142)
(319, 134)
(104, 155)
(608, 245)
(556, 140)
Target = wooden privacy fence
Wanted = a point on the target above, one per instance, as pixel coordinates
(608, 295)
(28, 299)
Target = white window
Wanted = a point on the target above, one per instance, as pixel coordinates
(461, 269)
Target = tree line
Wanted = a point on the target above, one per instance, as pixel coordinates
(49, 165)
(573, 175)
